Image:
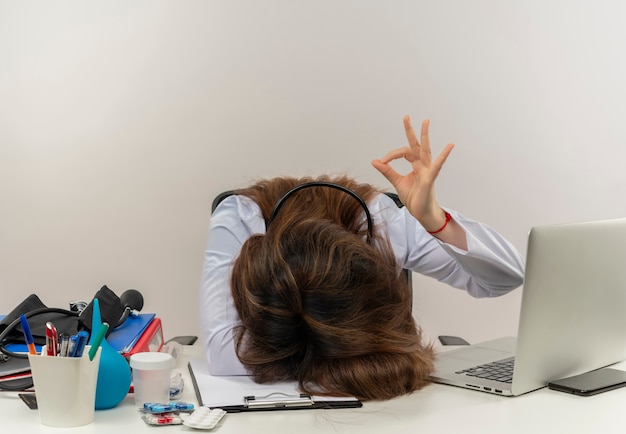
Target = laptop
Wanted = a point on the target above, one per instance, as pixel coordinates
(572, 315)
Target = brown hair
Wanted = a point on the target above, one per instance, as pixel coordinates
(321, 306)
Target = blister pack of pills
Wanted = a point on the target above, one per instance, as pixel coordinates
(204, 418)
(156, 407)
(165, 414)
(162, 419)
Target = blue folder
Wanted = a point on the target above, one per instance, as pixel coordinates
(124, 337)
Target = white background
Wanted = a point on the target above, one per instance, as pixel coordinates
(121, 120)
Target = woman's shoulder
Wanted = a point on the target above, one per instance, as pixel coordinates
(386, 205)
(238, 210)
(238, 204)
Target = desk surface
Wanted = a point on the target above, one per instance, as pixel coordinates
(436, 408)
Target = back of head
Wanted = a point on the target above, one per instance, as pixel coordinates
(321, 306)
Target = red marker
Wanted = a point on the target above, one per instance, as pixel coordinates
(52, 340)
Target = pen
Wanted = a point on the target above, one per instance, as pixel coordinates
(81, 341)
(28, 336)
(64, 342)
(97, 340)
(52, 340)
(71, 345)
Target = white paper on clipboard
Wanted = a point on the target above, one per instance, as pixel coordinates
(232, 390)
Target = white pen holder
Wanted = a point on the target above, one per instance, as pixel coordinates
(65, 388)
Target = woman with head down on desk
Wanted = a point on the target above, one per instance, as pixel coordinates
(312, 291)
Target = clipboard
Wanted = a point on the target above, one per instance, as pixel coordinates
(236, 394)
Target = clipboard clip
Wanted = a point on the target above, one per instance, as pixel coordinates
(278, 400)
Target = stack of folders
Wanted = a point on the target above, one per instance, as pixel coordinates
(138, 333)
(13, 369)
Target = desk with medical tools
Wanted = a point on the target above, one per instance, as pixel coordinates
(435, 409)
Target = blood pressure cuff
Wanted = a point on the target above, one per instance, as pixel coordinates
(64, 321)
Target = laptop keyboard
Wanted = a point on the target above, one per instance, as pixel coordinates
(501, 370)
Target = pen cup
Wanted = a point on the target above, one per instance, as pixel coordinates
(151, 377)
(65, 388)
